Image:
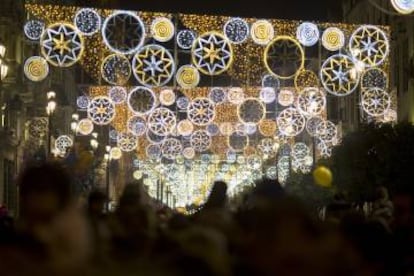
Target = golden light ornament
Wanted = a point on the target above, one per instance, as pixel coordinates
(323, 176)
(284, 57)
(167, 97)
(306, 78)
(36, 68)
(161, 121)
(187, 76)
(212, 53)
(333, 39)
(101, 110)
(226, 128)
(251, 110)
(262, 32)
(162, 29)
(235, 95)
(286, 97)
(137, 174)
(188, 153)
(115, 153)
(290, 122)
(85, 127)
(61, 44)
(185, 128)
(267, 127)
(403, 6)
(201, 111)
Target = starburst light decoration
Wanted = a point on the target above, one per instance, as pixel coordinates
(290, 122)
(162, 121)
(201, 111)
(63, 143)
(311, 101)
(101, 110)
(127, 142)
(200, 140)
(375, 101)
(171, 148)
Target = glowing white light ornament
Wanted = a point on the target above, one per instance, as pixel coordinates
(200, 140)
(250, 128)
(118, 94)
(115, 153)
(171, 148)
(123, 32)
(137, 174)
(271, 172)
(268, 147)
(311, 101)
(262, 32)
(167, 97)
(286, 97)
(236, 30)
(283, 166)
(369, 45)
(116, 69)
(127, 142)
(185, 39)
(271, 81)
(137, 125)
(82, 102)
(300, 151)
(101, 110)
(185, 128)
(162, 121)
(267, 95)
(307, 34)
(212, 129)
(153, 151)
(290, 122)
(182, 102)
(85, 127)
(403, 6)
(251, 110)
(87, 21)
(254, 162)
(162, 29)
(201, 111)
(311, 125)
(188, 153)
(235, 95)
(33, 29)
(141, 100)
(375, 101)
(327, 131)
(113, 134)
(63, 142)
(333, 39)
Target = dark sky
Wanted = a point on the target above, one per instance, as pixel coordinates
(283, 9)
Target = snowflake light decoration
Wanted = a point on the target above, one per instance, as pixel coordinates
(300, 151)
(127, 142)
(153, 151)
(212, 53)
(268, 147)
(311, 125)
(82, 102)
(171, 148)
(200, 140)
(137, 125)
(201, 111)
(307, 34)
(33, 29)
(311, 101)
(116, 69)
(118, 94)
(141, 100)
(375, 101)
(236, 30)
(101, 110)
(61, 45)
(291, 122)
(271, 172)
(63, 142)
(87, 21)
(38, 127)
(153, 65)
(327, 131)
(162, 121)
(185, 39)
(333, 39)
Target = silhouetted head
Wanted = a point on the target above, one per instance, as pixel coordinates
(218, 195)
(96, 202)
(45, 190)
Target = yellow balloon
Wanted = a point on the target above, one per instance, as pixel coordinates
(323, 176)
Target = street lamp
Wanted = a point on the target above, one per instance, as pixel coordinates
(108, 158)
(50, 110)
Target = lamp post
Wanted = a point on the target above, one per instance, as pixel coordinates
(50, 110)
(108, 158)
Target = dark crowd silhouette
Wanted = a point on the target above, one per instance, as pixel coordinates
(267, 233)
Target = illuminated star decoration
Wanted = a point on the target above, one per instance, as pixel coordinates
(212, 53)
(62, 45)
(369, 44)
(375, 101)
(338, 75)
(153, 65)
(101, 110)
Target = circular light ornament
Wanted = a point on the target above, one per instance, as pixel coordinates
(116, 69)
(333, 39)
(85, 127)
(369, 45)
(162, 121)
(171, 148)
(118, 94)
(33, 29)
(212, 53)
(182, 102)
(101, 110)
(300, 151)
(390, 115)
(63, 142)
(127, 142)
(268, 147)
(251, 111)
(226, 128)
(290, 122)
(307, 34)
(185, 39)
(137, 125)
(262, 32)
(212, 129)
(188, 153)
(284, 57)
(403, 6)
(141, 100)
(267, 95)
(237, 141)
(311, 101)
(339, 76)
(286, 97)
(187, 76)
(312, 124)
(115, 153)
(201, 111)
(38, 127)
(36, 68)
(162, 29)
(61, 44)
(200, 141)
(123, 32)
(87, 21)
(217, 95)
(271, 81)
(375, 101)
(374, 77)
(137, 174)
(82, 102)
(267, 127)
(113, 134)
(326, 131)
(153, 65)
(235, 95)
(153, 151)
(254, 162)
(185, 128)
(271, 172)
(306, 78)
(236, 30)
(167, 97)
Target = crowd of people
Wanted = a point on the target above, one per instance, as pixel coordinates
(269, 233)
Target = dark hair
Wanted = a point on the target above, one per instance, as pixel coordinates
(46, 177)
(218, 195)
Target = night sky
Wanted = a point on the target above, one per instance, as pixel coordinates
(318, 10)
